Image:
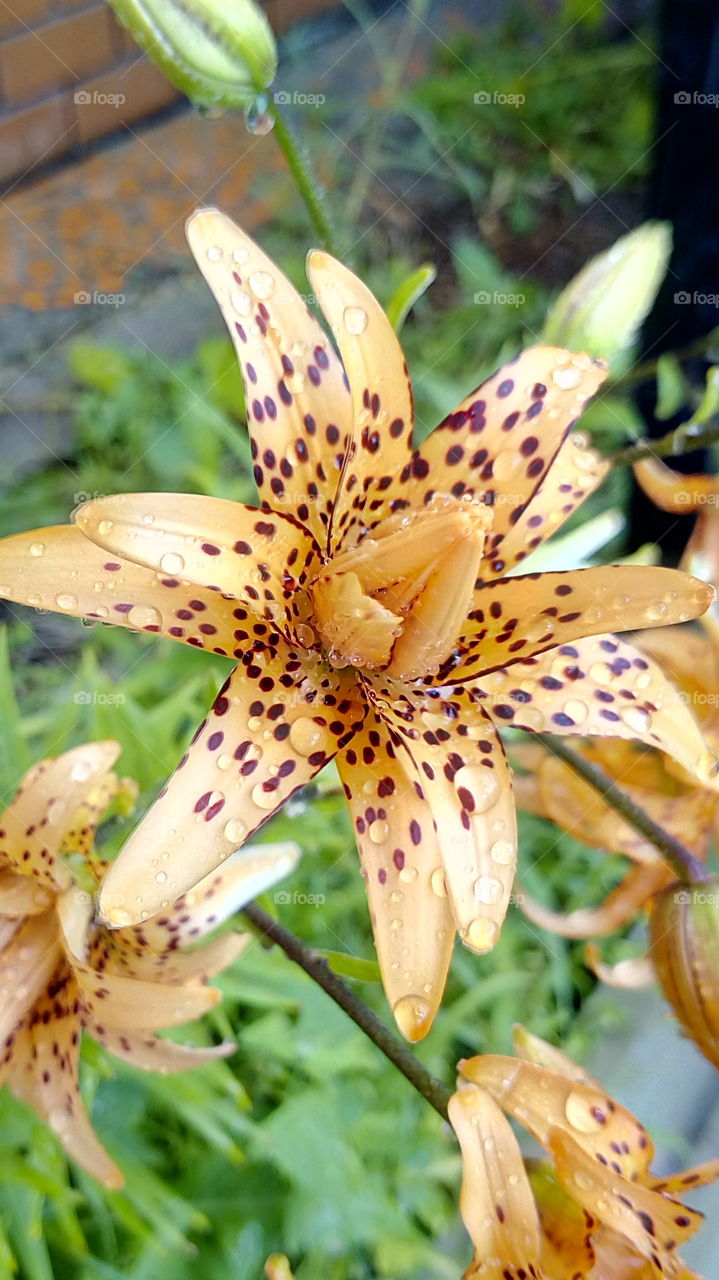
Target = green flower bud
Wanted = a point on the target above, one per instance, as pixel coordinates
(684, 931)
(221, 53)
(601, 309)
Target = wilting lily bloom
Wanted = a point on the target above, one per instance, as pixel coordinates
(62, 973)
(596, 1212)
(677, 800)
(368, 606)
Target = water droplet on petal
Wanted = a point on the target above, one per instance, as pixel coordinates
(482, 934)
(161, 877)
(65, 601)
(214, 253)
(579, 1112)
(411, 1014)
(566, 377)
(576, 710)
(487, 890)
(81, 771)
(172, 563)
(636, 718)
(438, 883)
(235, 831)
(264, 799)
(240, 255)
(37, 549)
(408, 875)
(144, 615)
(502, 852)
(481, 784)
(656, 612)
(378, 831)
(305, 735)
(355, 319)
(262, 284)
(241, 302)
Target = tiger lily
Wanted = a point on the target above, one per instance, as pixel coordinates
(690, 659)
(596, 1211)
(62, 973)
(369, 609)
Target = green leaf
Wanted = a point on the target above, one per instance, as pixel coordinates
(408, 293)
(671, 388)
(352, 966)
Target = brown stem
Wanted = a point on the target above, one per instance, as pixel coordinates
(432, 1089)
(685, 438)
(687, 867)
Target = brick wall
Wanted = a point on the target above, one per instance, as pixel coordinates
(69, 74)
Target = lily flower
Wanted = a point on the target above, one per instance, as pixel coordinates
(62, 973)
(596, 1210)
(368, 604)
(678, 800)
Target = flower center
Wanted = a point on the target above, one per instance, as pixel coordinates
(397, 601)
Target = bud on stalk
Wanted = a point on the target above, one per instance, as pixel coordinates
(221, 53)
(684, 932)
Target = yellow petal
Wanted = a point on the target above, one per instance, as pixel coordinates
(496, 1201)
(543, 1101)
(515, 618)
(499, 443)
(466, 781)
(620, 906)
(603, 686)
(672, 490)
(576, 472)
(274, 724)
(567, 1232)
(50, 1083)
(21, 896)
(628, 975)
(532, 1048)
(381, 397)
(124, 595)
(44, 808)
(121, 1002)
(653, 1223)
(411, 917)
(299, 410)
(151, 1053)
(678, 1184)
(252, 558)
(27, 964)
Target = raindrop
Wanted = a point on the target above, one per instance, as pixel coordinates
(262, 284)
(65, 601)
(214, 254)
(482, 934)
(144, 615)
(378, 831)
(161, 877)
(224, 761)
(81, 771)
(264, 799)
(487, 890)
(241, 301)
(502, 852)
(481, 784)
(258, 121)
(240, 255)
(305, 735)
(37, 549)
(172, 563)
(636, 718)
(438, 883)
(578, 1111)
(355, 319)
(566, 377)
(576, 710)
(235, 831)
(656, 612)
(411, 1014)
(408, 875)
(104, 527)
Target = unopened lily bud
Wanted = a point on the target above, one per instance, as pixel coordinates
(684, 931)
(221, 53)
(601, 309)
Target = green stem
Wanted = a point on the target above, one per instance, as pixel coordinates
(647, 369)
(687, 868)
(432, 1089)
(305, 181)
(689, 436)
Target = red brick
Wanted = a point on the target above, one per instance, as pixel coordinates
(56, 54)
(35, 134)
(15, 15)
(144, 89)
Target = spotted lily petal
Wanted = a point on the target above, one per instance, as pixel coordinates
(274, 724)
(598, 686)
(381, 397)
(20, 896)
(411, 917)
(653, 1223)
(532, 1048)
(34, 565)
(151, 1053)
(35, 821)
(33, 951)
(463, 774)
(545, 1102)
(298, 407)
(513, 618)
(496, 1201)
(258, 560)
(506, 435)
(46, 1078)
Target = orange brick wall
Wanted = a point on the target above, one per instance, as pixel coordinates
(69, 74)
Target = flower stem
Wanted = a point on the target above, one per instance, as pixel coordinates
(305, 180)
(432, 1089)
(687, 867)
(687, 437)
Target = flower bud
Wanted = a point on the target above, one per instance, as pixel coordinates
(684, 932)
(221, 53)
(601, 309)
